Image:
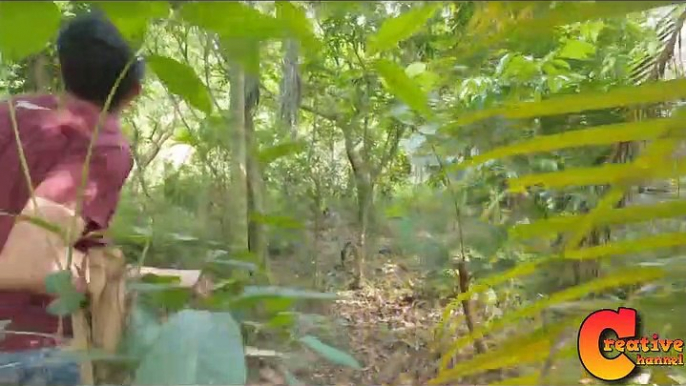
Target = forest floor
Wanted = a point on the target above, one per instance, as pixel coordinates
(387, 325)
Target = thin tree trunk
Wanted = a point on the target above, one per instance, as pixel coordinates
(239, 197)
(38, 78)
(257, 238)
(364, 202)
(290, 88)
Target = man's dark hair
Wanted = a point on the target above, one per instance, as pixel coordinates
(92, 55)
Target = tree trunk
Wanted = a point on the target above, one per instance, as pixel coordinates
(38, 78)
(365, 194)
(257, 238)
(239, 197)
(290, 88)
(316, 231)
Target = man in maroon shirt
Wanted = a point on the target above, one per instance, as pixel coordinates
(55, 132)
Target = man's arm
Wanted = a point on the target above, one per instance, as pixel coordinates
(32, 252)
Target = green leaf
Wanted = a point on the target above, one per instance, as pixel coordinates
(626, 215)
(275, 299)
(596, 136)
(282, 319)
(621, 96)
(415, 69)
(606, 174)
(577, 49)
(640, 245)
(272, 153)
(195, 348)
(26, 27)
(132, 17)
(400, 28)
(232, 20)
(58, 282)
(400, 85)
(181, 80)
(331, 354)
(141, 333)
(66, 304)
(172, 299)
(531, 347)
(68, 298)
(617, 279)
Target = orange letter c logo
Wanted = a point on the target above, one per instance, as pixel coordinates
(624, 323)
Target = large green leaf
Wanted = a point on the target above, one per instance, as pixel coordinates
(399, 28)
(181, 80)
(643, 244)
(577, 49)
(275, 299)
(68, 298)
(331, 354)
(132, 17)
(256, 292)
(633, 214)
(141, 333)
(232, 20)
(620, 278)
(272, 153)
(595, 136)
(530, 347)
(621, 96)
(195, 348)
(26, 27)
(400, 85)
(58, 282)
(606, 174)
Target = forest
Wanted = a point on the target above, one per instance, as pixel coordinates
(388, 193)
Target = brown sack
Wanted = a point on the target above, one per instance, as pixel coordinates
(108, 306)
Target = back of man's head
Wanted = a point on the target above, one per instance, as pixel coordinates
(93, 55)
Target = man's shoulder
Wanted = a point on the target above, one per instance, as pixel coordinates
(31, 115)
(31, 102)
(28, 102)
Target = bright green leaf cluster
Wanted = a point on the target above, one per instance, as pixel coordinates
(26, 27)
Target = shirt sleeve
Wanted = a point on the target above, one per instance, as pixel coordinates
(106, 176)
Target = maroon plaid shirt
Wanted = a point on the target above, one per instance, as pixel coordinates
(55, 143)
